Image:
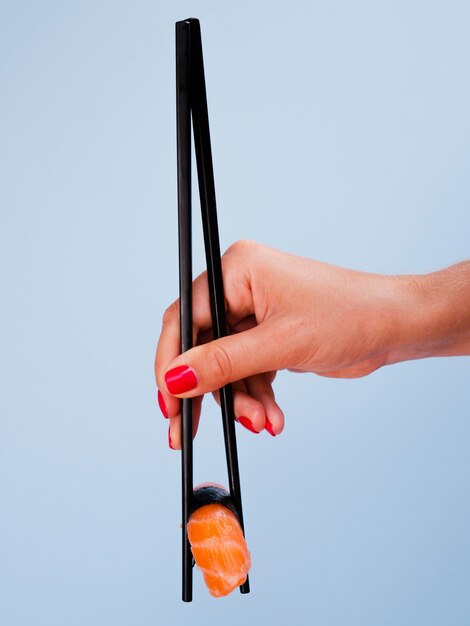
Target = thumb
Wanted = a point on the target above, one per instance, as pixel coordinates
(209, 367)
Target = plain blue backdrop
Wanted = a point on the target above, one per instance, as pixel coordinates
(340, 131)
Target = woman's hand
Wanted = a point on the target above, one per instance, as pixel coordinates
(289, 312)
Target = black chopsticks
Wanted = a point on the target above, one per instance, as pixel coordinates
(191, 103)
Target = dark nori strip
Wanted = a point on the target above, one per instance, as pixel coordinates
(210, 494)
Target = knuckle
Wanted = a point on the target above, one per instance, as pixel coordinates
(220, 360)
(171, 313)
(242, 245)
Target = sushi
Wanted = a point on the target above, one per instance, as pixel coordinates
(217, 542)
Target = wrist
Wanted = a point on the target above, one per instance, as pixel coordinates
(433, 314)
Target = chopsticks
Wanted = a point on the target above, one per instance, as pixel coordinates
(191, 102)
(183, 138)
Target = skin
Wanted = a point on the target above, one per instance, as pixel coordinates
(289, 312)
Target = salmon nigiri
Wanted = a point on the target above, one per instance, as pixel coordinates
(217, 541)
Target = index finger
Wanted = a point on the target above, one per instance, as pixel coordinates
(168, 347)
(239, 305)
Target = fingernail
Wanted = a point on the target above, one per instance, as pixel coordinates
(180, 379)
(162, 405)
(244, 421)
(269, 427)
(169, 440)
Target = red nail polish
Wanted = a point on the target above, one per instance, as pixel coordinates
(180, 379)
(169, 440)
(269, 427)
(162, 405)
(244, 421)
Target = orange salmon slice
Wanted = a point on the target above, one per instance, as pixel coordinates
(219, 548)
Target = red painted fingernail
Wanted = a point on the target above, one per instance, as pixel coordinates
(169, 440)
(180, 379)
(244, 421)
(269, 427)
(162, 405)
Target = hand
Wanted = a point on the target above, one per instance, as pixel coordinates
(289, 312)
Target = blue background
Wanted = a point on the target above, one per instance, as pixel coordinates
(340, 131)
